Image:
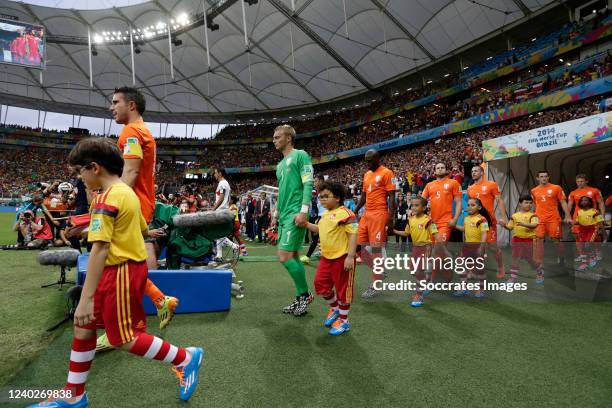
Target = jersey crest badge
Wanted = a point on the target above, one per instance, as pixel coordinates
(96, 225)
(130, 145)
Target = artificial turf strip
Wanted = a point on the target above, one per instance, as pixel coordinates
(449, 353)
(259, 258)
(26, 309)
(267, 258)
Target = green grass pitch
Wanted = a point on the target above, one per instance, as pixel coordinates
(449, 354)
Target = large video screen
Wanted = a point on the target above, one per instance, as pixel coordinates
(22, 44)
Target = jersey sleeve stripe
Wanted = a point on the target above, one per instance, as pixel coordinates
(105, 209)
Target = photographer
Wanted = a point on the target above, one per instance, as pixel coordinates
(23, 227)
(35, 230)
(33, 206)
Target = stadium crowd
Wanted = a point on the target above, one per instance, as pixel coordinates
(327, 119)
(37, 172)
(426, 117)
(23, 170)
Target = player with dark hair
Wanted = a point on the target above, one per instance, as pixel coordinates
(378, 196)
(547, 197)
(488, 193)
(442, 193)
(139, 157)
(222, 202)
(116, 277)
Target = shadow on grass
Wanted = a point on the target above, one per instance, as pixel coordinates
(513, 314)
(288, 349)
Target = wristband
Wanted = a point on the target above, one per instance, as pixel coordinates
(305, 208)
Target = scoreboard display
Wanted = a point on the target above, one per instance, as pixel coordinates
(22, 44)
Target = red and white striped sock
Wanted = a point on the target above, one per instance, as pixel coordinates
(514, 272)
(81, 357)
(332, 301)
(154, 348)
(344, 308)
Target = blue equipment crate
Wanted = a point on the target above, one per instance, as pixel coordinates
(197, 290)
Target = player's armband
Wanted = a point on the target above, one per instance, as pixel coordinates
(307, 173)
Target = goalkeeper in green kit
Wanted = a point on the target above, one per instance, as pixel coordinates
(294, 175)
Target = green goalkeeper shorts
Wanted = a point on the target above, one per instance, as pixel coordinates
(291, 237)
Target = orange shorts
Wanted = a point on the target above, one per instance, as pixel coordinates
(373, 228)
(492, 233)
(118, 302)
(444, 232)
(550, 229)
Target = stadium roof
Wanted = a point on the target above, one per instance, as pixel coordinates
(294, 52)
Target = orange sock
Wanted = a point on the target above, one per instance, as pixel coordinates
(154, 293)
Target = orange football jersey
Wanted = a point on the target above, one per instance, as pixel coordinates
(546, 199)
(376, 185)
(485, 191)
(441, 194)
(574, 197)
(136, 142)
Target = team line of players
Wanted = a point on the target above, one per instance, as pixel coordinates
(120, 258)
(432, 218)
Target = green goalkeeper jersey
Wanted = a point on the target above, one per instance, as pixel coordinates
(294, 175)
